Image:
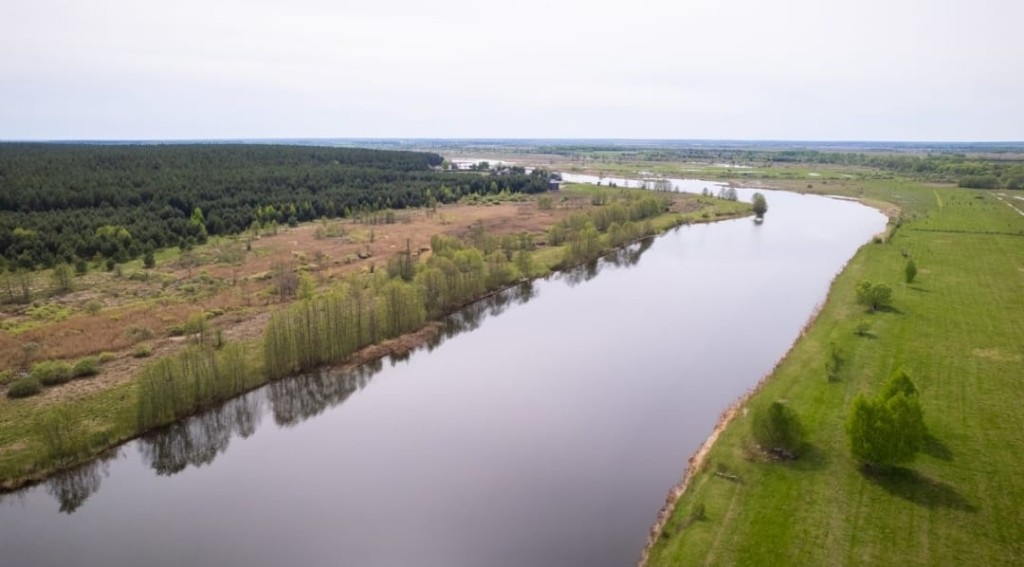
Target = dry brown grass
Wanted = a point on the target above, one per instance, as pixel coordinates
(132, 309)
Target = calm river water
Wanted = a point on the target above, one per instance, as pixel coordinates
(545, 429)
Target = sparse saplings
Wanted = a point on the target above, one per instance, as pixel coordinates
(178, 386)
(910, 271)
(286, 280)
(524, 263)
(59, 433)
(777, 429)
(874, 296)
(307, 287)
(63, 278)
(888, 429)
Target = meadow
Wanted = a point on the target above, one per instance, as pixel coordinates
(958, 328)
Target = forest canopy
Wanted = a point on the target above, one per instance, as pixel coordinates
(62, 202)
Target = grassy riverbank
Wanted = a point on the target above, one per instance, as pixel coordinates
(958, 329)
(65, 425)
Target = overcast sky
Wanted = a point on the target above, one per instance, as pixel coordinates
(736, 69)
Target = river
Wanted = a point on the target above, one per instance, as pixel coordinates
(544, 428)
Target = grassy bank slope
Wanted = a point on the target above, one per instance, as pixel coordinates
(959, 328)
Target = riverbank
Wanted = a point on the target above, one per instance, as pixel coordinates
(108, 415)
(956, 329)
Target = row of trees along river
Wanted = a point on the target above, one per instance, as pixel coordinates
(365, 310)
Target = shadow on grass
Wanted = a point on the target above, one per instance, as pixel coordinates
(811, 458)
(934, 447)
(919, 288)
(888, 309)
(917, 488)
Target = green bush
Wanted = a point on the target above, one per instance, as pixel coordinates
(142, 351)
(874, 296)
(5, 378)
(88, 366)
(777, 429)
(106, 357)
(24, 387)
(52, 372)
(175, 330)
(888, 429)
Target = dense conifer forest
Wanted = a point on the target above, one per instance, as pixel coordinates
(70, 202)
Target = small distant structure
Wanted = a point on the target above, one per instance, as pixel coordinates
(554, 184)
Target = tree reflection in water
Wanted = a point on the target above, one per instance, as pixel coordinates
(199, 439)
(294, 400)
(71, 488)
(625, 257)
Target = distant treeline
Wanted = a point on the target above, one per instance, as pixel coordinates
(63, 202)
(958, 168)
(966, 170)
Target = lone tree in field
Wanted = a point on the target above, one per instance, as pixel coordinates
(888, 429)
(874, 296)
(778, 430)
(910, 271)
(760, 205)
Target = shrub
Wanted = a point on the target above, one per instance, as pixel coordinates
(52, 372)
(777, 429)
(5, 378)
(136, 333)
(106, 357)
(910, 271)
(175, 330)
(834, 363)
(888, 429)
(88, 366)
(142, 351)
(874, 296)
(24, 387)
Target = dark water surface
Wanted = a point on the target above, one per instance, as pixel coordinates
(545, 429)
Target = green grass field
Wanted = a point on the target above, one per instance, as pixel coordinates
(959, 329)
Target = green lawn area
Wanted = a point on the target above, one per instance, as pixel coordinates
(959, 329)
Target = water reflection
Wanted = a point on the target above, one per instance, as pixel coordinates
(625, 257)
(198, 440)
(297, 399)
(73, 487)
